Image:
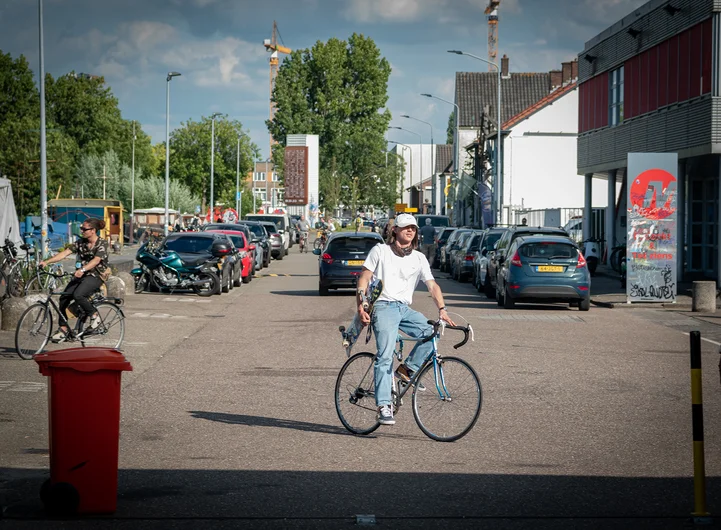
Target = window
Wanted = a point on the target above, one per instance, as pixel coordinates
(615, 100)
(260, 194)
(275, 177)
(259, 177)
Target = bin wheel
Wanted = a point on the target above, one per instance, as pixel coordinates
(60, 498)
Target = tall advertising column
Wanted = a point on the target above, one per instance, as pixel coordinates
(652, 227)
(300, 174)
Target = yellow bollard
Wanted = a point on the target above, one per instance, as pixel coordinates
(700, 514)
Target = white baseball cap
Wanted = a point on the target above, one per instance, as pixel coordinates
(406, 219)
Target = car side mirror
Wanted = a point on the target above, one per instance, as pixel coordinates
(501, 259)
(484, 252)
(220, 249)
(252, 247)
(316, 251)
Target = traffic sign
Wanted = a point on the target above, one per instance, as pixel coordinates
(401, 207)
(410, 210)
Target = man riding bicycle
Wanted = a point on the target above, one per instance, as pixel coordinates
(400, 267)
(303, 228)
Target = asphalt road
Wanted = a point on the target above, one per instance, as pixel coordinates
(228, 419)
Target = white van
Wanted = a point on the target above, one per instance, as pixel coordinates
(281, 220)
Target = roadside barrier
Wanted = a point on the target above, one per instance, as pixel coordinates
(700, 513)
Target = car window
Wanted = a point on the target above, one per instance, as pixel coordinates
(548, 250)
(279, 222)
(191, 245)
(352, 244)
(490, 240)
(271, 228)
(445, 235)
(238, 241)
(503, 241)
(475, 243)
(256, 230)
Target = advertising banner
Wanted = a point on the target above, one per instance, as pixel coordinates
(652, 227)
(295, 175)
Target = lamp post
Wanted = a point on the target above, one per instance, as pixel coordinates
(433, 150)
(171, 75)
(498, 187)
(132, 191)
(43, 142)
(237, 180)
(457, 135)
(411, 170)
(212, 162)
(420, 180)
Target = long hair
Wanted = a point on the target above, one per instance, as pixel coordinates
(392, 237)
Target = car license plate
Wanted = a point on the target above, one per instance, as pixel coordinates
(355, 262)
(549, 268)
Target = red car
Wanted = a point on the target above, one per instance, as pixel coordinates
(246, 252)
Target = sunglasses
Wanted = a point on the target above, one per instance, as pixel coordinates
(85, 229)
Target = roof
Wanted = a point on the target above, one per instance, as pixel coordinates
(530, 111)
(444, 158)
(475, 90)
(79, 203)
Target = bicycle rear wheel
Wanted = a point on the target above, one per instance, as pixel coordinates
(111, 331)
(33, 330)
(450, 403)
(355, 392)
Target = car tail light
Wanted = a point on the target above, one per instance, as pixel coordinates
(514, 286)
(582, 288)
(327, 258)
(581, 261)
(469, 257)
(516, 260)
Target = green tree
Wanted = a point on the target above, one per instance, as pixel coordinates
(451, 127)
(190, 157)
(337, 90)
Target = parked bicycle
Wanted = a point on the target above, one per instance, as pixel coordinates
(36, 324)
(320, 239)
(446, 395)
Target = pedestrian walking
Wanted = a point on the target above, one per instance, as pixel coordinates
(428, 241)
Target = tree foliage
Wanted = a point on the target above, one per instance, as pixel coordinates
(190, 157)
(338, 90)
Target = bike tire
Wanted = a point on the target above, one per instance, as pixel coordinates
(355, 394)
(440, 418)
(210, 288)
(111, 332)
(33, 330)
(317, 244)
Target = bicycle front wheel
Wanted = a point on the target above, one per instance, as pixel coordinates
(355, 394)
(110, 332)
(33, 330)
(447, 401)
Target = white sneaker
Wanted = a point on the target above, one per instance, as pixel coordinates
(59, 336)
(385, 415)
(95, 322)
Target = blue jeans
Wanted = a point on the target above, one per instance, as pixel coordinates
(388, 318)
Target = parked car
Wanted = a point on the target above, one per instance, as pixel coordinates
(276, 240)
(511, 233)
(451, 245)
(245, 254)
(462, 260)
(458, 248)
(441, 240)
(543, 268)
(439, 222)
(259, 237)
(242, 228)
(282, 223)
(341, 259)
(194, 247)
(480, 261)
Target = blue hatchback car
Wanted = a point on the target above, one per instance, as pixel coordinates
(544, 268)
(341, 259)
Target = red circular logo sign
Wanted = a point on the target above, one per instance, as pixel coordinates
(656, 185)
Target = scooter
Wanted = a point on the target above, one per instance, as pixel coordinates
(592, 252)
(165, 270)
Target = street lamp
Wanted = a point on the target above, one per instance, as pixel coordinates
(212, 161)
(43, 142)
(238, 196)
(433, 150)
(171, 75)
(132, 191)
(457, 135)
(498, 188)
(411, 170)
(420, 180)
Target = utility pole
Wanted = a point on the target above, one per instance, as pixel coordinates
(43, 143)
(132, 192)
(237, 180)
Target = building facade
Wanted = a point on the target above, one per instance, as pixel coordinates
(650, 84)
(266, 187)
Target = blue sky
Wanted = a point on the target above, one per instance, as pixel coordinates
(218, 47)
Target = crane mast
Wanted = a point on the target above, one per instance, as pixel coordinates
(492, 12)
(274, 48)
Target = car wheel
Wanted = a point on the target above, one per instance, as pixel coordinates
(508, 302)
(584, 305)
(281, 253)
(322, 289)
(461, 277)
(499, 297)
(226, 282)
(488, 289)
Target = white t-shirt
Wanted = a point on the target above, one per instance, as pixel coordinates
(400, 275)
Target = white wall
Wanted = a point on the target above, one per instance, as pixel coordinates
(540, 171)
(414, 177)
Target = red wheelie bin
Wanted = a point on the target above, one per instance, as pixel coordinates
(84, 414)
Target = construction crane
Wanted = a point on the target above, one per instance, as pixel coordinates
(274, 48)
(492, 12)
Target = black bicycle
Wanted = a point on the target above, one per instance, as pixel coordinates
(447, 393)
(35, 326)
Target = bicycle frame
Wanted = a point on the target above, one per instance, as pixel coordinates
(433, 357)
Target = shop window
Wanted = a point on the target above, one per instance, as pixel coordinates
(615, 97)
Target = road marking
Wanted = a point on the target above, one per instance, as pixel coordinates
(129, 343)
(189, 300)
(703, 338)
(157, 315)
(22, 386)
(536, 318)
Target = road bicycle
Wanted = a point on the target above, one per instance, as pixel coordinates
(35, 326)
(303, 242)
(446, 395)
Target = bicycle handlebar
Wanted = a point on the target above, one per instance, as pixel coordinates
(437, 324)
(55, 275)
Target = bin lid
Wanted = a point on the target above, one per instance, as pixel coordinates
(83, 360)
